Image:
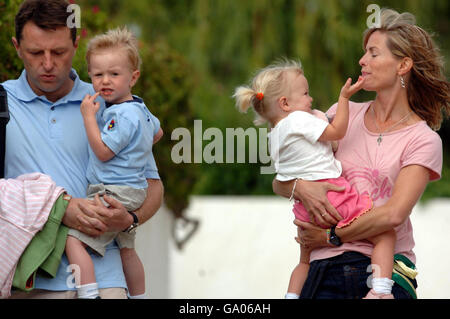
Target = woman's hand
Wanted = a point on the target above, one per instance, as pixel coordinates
(313, 196)
(310, 236)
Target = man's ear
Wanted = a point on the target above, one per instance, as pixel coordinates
(16, 46)
(77, 41)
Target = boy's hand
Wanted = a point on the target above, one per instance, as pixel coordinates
(348, 90)
(89, 107)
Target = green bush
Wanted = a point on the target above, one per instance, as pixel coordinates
(196, 52)
(165, 85)
(10, 66)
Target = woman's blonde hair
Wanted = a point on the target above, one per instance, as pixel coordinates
(119, 38)
(265, 88)
(428, 89)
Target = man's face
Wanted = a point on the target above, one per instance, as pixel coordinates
(47, 57)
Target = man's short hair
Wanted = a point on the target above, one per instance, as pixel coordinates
(46, 14)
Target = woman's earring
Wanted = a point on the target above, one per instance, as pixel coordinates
(402, 82)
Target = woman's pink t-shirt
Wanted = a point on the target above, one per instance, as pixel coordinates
(372, 169)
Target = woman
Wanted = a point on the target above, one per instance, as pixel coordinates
(389, 152)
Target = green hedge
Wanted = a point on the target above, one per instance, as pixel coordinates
(196, 52)
(165, 85)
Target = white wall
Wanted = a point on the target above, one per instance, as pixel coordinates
(245, 248)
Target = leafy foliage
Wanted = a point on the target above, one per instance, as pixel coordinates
(10, 66)
(196, 52)
(165, 85)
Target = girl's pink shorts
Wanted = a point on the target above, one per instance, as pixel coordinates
(348, 203)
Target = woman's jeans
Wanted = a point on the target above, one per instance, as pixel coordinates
(342, 277)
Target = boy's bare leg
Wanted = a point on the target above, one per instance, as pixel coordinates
(134, 271)
(84, 271)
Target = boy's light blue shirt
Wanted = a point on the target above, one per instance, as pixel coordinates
(127, 129)
(48, 137)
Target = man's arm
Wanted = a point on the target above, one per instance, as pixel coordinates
(153, 201)
(81, 215)
(158, 136)
(93, 218)
(118, 221)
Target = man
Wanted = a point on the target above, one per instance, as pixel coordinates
(46, 134)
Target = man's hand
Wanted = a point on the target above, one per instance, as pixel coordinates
(117, 217)
(93, 218)
(75, 217)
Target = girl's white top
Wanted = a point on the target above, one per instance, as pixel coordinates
(296, 151)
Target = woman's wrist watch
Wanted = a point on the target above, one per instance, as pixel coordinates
(133, 225)
(332, 238)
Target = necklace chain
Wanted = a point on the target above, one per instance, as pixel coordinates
(380, 136)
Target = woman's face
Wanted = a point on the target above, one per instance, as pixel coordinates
(379, 66)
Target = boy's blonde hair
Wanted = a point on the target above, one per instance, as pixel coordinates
(119, 38)
(267, 86)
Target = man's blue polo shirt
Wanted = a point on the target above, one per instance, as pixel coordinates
(48, 137)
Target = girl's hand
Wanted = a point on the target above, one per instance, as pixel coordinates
(348, 90)
(89, 107)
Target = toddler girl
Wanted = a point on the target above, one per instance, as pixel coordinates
(300, 147)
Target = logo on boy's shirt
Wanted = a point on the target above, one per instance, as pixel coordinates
(111, 125)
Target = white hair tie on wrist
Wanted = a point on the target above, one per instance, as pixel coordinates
(293, 189)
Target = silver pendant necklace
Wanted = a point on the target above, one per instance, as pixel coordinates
(380, 136)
